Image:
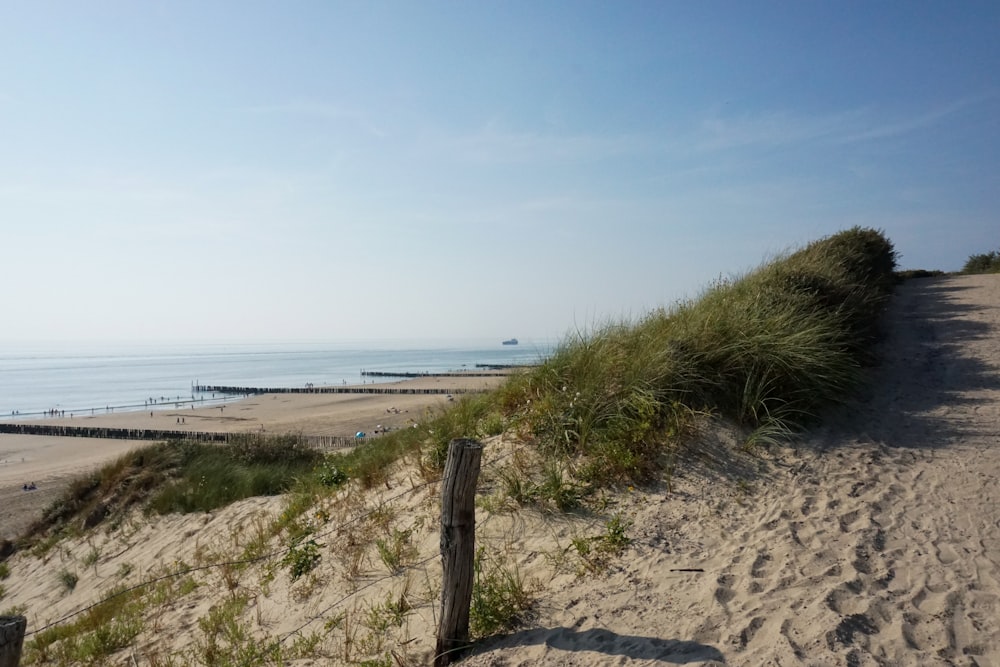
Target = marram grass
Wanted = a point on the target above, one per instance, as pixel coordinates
(767, 351)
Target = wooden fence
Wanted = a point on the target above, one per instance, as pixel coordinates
(350, 389)
(318, 441)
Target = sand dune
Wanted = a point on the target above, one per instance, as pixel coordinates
(873, 541)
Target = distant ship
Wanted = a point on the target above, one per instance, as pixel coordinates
(511, 341)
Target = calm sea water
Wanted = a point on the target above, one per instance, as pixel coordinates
(82, 378)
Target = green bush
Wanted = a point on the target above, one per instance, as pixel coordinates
(985, 263)
(302, 558)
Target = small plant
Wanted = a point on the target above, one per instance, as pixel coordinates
(395, 550)
(229, 640)
(516, 487)
(557, 489)
(582, 546)
(597, 552)
(68, 579)
(385, 661)
(615, 540)
(492, 424)
(500, 596)
(91, 637)
(390, 613)
(4, 570)
(302, 558)
(330, 475)
(124, 570)
(383, 516)
(91, 557)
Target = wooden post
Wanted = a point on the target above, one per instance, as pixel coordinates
(458, 547)
(11, 639)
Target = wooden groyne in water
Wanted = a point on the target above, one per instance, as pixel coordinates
(353, 389)
(485, 371)
(456, 374)
(163, 435)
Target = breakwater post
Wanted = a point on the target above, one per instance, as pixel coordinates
(365, 389)
(317, 441)
(458, 547)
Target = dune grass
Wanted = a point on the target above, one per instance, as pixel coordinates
(178, 476)
(988, 262)
(768, 351)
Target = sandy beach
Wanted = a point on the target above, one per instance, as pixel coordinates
(50, 462)
(873, 540)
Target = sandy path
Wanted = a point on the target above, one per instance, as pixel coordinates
(877, 542)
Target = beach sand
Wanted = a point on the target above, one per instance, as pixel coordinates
(874, 540)
(51, 462)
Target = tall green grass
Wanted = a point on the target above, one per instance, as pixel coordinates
(988, 262)
(768, 351)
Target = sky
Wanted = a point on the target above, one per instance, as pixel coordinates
(359, 171)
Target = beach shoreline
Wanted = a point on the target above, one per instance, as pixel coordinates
(872, 539)
(52, 462)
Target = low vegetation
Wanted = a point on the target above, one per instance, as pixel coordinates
(911, 274)
(988, 262)
(767, 352)
(176, 476)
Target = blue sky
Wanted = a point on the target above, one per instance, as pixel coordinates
(249, 171)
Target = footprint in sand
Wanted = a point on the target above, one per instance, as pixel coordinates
(847, 519)
(747, 634)
(946, 554)
(846, 599)
(759, 567)
(725, 593)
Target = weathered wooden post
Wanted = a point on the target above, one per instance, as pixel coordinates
(11, 639)
(458, 546)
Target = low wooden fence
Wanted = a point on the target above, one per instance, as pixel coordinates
(353, 389)
(317, 441)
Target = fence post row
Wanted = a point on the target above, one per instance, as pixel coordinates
(458, 547)
(11, 639)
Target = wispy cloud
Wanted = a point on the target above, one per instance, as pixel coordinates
(322, 110)
(771, 129)
(493, 144)
(913, 123)
(783, 128)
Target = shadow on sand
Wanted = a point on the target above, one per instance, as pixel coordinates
(606, 642)
(925, 374)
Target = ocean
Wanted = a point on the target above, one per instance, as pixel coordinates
(84, 378)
